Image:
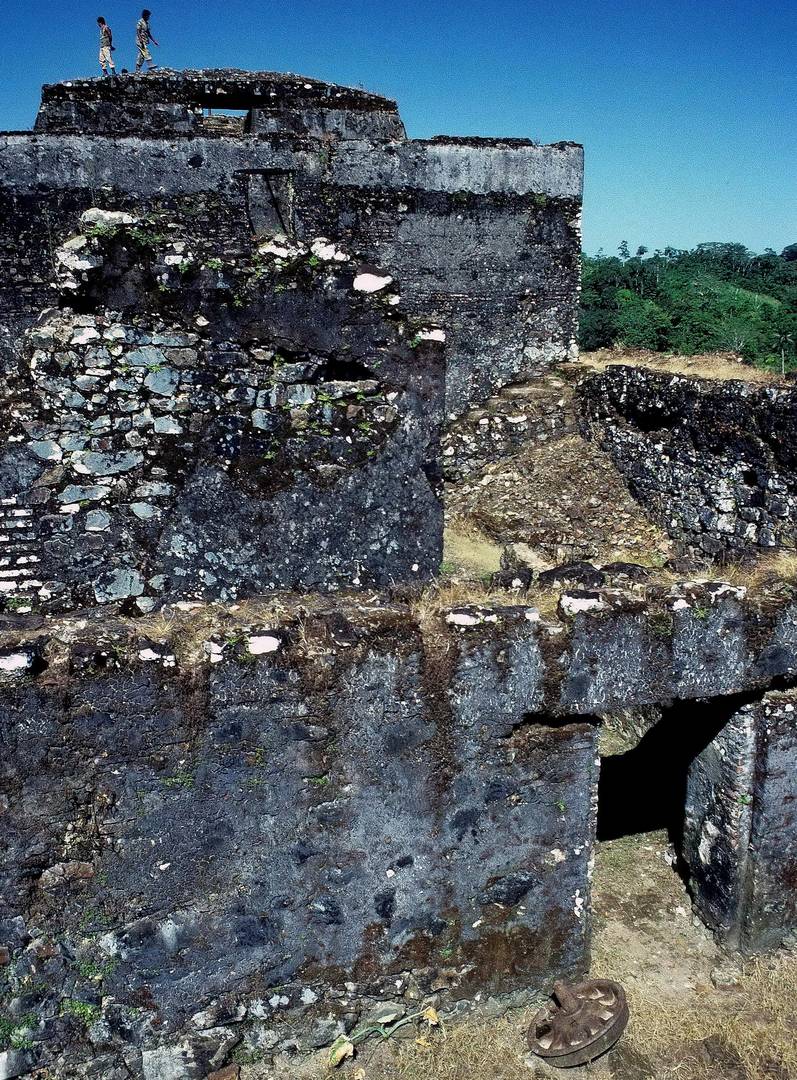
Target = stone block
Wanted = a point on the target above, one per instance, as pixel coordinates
(741, 826)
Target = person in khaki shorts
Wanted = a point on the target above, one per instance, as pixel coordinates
(143, 38)
(106, 47)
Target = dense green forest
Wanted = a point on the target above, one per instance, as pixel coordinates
(715, 297)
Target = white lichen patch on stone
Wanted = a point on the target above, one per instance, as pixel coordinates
(576, 605)
(85, 335)
(97, 521)
(118, 584)
(724, 590)
(143, 510)
(579, 903)
(94, 463)
(260, 644)
(280, 247)
(46, 449)
(106, 219)
(326, 251)
(371, 283)
(16, 663)
(70, 262)
(213, 651)
(433, 334)
(149, 655)
(708, 836)
(77, 493)
(465, 619)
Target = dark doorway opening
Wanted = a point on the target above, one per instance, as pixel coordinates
(644, 789)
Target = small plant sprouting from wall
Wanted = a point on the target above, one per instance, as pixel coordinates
(96, 971)
(181, 779)
(83, 1011)
(16, 1033)
(661, 624)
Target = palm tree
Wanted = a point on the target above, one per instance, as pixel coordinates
(784, 340)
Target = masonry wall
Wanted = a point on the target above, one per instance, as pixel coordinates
(483, 234)
(201, 423)
(712, 462)
(316, 815)
(249, 828)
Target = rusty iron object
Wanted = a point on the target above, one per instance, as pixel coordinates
(583, 1021)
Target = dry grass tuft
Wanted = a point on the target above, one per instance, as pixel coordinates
(443, 595)
(471, 1050)
(778, 567)
(757, 575)
(187, 631)
(722, 366)
(468, 552)
(756, 1021)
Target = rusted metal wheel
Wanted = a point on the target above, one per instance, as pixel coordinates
(584, 1021)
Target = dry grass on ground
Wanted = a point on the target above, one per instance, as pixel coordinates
(682, 1025)
(718, 365)
(469, 553)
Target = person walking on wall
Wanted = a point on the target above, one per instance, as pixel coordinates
(106, 47)
(143, 38)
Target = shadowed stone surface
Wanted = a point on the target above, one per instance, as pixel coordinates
(741, 826)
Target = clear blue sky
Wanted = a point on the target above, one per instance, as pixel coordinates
(686, 108)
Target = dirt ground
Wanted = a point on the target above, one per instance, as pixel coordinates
(717, 365)
(696, 1014)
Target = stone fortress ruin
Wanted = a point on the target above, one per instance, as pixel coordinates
(254, 784)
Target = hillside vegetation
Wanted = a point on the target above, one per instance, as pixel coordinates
(717, 297)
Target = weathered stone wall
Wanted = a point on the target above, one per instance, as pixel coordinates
(322, 813)
(250, 827)
(215, 427)
(713, 462)
(741, 826)
(483, 234)
(175, 103)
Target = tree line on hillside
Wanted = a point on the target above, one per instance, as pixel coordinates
(716, 297)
